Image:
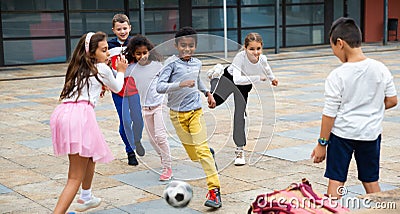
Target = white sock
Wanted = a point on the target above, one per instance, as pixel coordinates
(86, 194)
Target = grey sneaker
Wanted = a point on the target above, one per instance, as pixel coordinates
(139, 148)
(85, 205)
(240, 159)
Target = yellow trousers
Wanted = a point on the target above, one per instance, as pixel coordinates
(192, 131)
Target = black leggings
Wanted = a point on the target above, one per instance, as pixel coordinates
(222, 88)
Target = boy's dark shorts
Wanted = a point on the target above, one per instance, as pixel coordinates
(340, 152)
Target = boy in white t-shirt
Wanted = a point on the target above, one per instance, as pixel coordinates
(356, 96)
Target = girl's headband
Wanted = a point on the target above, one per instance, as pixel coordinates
(87, 41)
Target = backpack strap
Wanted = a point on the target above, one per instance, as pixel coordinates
(307, 191)
(301, 208)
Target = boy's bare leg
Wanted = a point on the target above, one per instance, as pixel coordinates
(333, 187)
(371, 187)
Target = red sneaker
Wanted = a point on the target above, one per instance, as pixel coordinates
(213, 199)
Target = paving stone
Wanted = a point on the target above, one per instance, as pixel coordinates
(38, 143)
(301, 134)
(359, 189)
(154, 206)
(13, 178)
(302, 117)
(40, 189)
(4, 189)
(16, 203)
(295, 153)
(123, 195)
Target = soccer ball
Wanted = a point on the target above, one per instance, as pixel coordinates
(178, 193)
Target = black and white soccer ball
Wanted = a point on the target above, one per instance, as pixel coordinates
(178, 194)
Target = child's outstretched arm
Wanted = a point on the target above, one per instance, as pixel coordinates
(268, 72)
(164, 85)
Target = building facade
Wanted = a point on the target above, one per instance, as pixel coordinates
(46, 31)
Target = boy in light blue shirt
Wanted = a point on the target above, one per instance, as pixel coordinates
(180, 79)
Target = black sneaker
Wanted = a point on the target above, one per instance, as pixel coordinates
(213, 155)
(139, 148)
(132, 159)
(213, 199)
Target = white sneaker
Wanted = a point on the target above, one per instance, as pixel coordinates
(210, 73)
(216, 71)
(240, 159)
(85, 205)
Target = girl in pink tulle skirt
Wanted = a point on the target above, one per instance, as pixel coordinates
(74, 128)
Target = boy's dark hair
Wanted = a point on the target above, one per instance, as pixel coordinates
(347, 30)
(187, 32)
(136, 42)
(121, 18)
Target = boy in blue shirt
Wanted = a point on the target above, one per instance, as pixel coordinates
(180, 79)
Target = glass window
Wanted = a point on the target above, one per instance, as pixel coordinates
(134, 4)
(161, 4)
(13, 5)
(161, 20)
(213, 3)
(34, 51)
(267, 34)
(258, 16)
(213, 18)
(33, 25)
(81, 23)
(159, 39)
(95, 4)
(232, 34)
(309, 35)
(134, 18)
(305, 14)
(257, 2)
(303, 1)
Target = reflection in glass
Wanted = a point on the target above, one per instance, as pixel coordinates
(15, 5)
(268, 35)
(33, 25)
(296, 36)
(257, 2)
(81, 23)
(213, 18)
(213, 2)
(34, 51)
(258, 16)
(305, 14)
(95, 4)
(161, 4)
(161, 20)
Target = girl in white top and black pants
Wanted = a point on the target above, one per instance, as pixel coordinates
(248, 66)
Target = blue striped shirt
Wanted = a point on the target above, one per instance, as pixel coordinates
(172, 74)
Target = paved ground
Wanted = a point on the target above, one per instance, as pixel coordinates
(31, 177)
